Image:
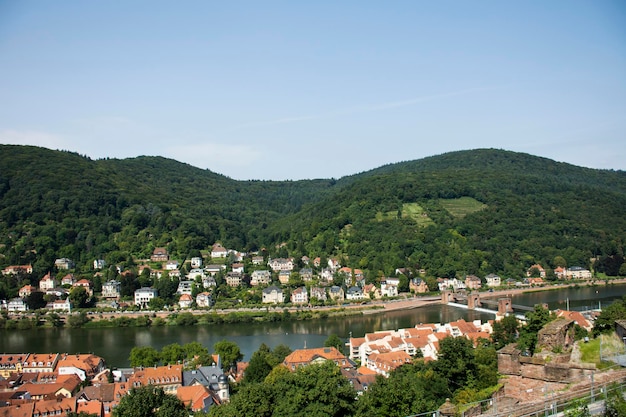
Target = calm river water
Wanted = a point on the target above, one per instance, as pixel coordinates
(114, 344)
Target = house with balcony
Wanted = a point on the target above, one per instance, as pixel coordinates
(64, 263)
(281, 264)
(318, 293)
(389, 287)
(472, 282)
(47, 282)
(144, 295)
(233, 279)
(336, 293)
(260, 277)
(159, 255)
(354, 293)
(218, 251)
(196, 262)
(111, 289)
(204, 300)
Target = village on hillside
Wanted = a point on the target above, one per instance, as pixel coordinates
(270, 281)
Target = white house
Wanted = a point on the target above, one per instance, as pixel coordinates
(238, 267)
(218, 251)
(111, 289)
(185, 301)
(196, 262)
(60, 305)
(354, 293)
(144, 295)
(204, 299)
(273, 295)
(493, 280)
(300, 296)
(281, 264)
(171, 265)
(17, 304)
(184, 287)
(577, 272)
(99, 264)
(47, 282)
(389, 287)
(64, 263)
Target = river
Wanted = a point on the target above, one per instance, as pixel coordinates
(114, 344)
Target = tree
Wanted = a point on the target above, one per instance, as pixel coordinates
(76, 321)
(535, 320)
(505, 331)
(334, 341)
(144, 356)
(79, 297)
(455, 362)
(172, 354)
(197, 355)
(35, 300)
(258, 368)
(229, 352)
(615, 403)
(148, 401)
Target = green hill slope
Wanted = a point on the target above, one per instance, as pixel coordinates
(476, 211)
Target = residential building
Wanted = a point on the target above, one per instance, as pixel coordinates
(371, 291)
(111, 289)
(64, 263)
(12, 362)
(144, 295)
(185, 301)
(17, 305)
(304, 357)
(85, 366)
(185, 287)
(300, 296)
(389, 287)
(261, 277)
(68, 279)
(318, 293)
(26, 290)
(385, 362)
(18, 270)
(168, 377)
(40, 362)
(354, 293)
(99, 264)
(306, 274)
(204, 300)
(171, 265)
(336, 293)
(536, 267)
(493, 280)
(284, 276)
(577, 272)
(273, 295)
(237, 267)
(233, 279)
(472, 282)
(418, 286)
(159, 255)
(218, 251)
(196, 262)
(257, 260)
(86, 284)
(281, 264)
(60, 305)
(47, 282)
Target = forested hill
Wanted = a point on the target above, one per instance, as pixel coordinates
(468, 212)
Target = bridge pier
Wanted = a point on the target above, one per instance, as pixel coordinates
(504, 306)
(473, 301)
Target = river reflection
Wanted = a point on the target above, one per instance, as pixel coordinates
(114, 344)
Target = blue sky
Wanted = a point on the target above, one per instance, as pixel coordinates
(296, 90)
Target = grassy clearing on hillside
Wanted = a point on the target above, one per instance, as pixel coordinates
(411, 211)
(461, 207)
(590, 352)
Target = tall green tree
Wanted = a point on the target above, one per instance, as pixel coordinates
(229, 353)
(334, 341)
(149, 401)
(144, 356)
(505, 331)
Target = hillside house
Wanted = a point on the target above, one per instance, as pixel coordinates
(493, 280)
(99, 264)
(304, 357)
(354, 293)
(171, 265)
(204, 300)
(306, 274)
(538, 268)
(418, 286)
(160, 255)
(389, 287)
(284, 277)
(261, 277)
(371, 291)
(16, 305)
(47, 282)
(26, 290)
(472, 282)
(218, 251)
(300, 296)
(185, 301)
(196, 262)
(86, 284)
(185, 287)
(336, 293)
(18, 270)
(233, 279)
(144, 295)
(318, 293)
(63, 263)
(273, 295)
(111, 289)
(281, 264)
(237, 267)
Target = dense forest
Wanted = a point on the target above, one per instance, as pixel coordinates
(467, 212)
